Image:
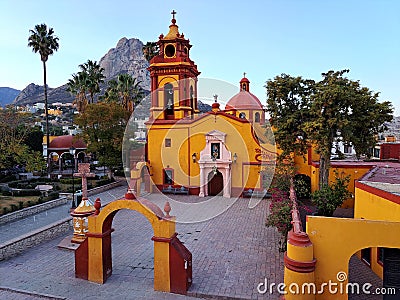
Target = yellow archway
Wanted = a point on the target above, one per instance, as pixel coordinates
(93, 257)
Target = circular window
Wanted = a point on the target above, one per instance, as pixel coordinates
(169, 50)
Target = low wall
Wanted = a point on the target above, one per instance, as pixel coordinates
(28, 211)
(25, 212)
(18, 245)
(106, 187)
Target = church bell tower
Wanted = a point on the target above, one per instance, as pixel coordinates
(173, 77)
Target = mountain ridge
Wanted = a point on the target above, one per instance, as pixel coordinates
(126, 57)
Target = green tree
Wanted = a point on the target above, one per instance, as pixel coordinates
(150, 50)
(125, 90)
(324, 112)
(129, 91)
(94, 78)
(77, 86)
(111, 93)
(288, 105)
(35, 161)
(339, 108)
(46, 43)
(103, 126)
(34, 139)
(14, 128)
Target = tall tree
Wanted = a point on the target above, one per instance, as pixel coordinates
(335, 108)
(129, 90)
(103, 126)
(111, 93)
(77, 87)
(125, 90)
(46, 43)
(150, 50)
(342, 110)
(288, 105)
(14, 130)
(94, 78)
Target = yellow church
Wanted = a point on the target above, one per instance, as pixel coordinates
(222, 152)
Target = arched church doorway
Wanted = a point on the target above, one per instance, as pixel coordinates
(215, 183)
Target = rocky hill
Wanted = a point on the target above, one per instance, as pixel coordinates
(34, 93)
(7, 95)
(126, 57)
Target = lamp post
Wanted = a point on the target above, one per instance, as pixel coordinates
(72, 151)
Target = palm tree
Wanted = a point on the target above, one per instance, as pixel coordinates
(94, 77)
(77, 86)
(43, 41)
(150, 50)
(111, 93)
(129, 91)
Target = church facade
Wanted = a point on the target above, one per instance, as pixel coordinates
(221, 152)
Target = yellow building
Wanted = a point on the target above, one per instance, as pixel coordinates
(221, 152)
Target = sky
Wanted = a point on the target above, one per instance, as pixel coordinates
(262, 38)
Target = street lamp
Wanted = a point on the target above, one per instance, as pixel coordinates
(72, 151)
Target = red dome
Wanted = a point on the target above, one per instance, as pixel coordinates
(66, 141)
(244, 100)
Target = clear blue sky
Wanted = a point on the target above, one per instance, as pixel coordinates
(261, 38)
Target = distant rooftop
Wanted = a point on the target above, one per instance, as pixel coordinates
(385, 177)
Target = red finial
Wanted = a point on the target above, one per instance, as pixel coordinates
(129, 195)
(167, 209)
(97, 206)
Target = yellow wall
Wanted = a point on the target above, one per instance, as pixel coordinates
(187, 139)
(371, 206)
(374, 207)
(335, 240)
(310, 169)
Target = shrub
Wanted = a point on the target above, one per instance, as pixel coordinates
(6, 193)
(27, 193)
(5, 210)
(8, 178)
(330, 197)
(20, 204)
(13, 207)
(302, 185)
(280, 215)
(69, 180)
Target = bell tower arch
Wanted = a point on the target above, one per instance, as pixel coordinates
(173, 77)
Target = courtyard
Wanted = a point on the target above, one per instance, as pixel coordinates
(232, 253)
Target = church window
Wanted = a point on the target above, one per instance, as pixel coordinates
(168, 176)
(257, 117)
(347, 148)
(169, 99)
(170, 50)
(167, 143)
(215, 151)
